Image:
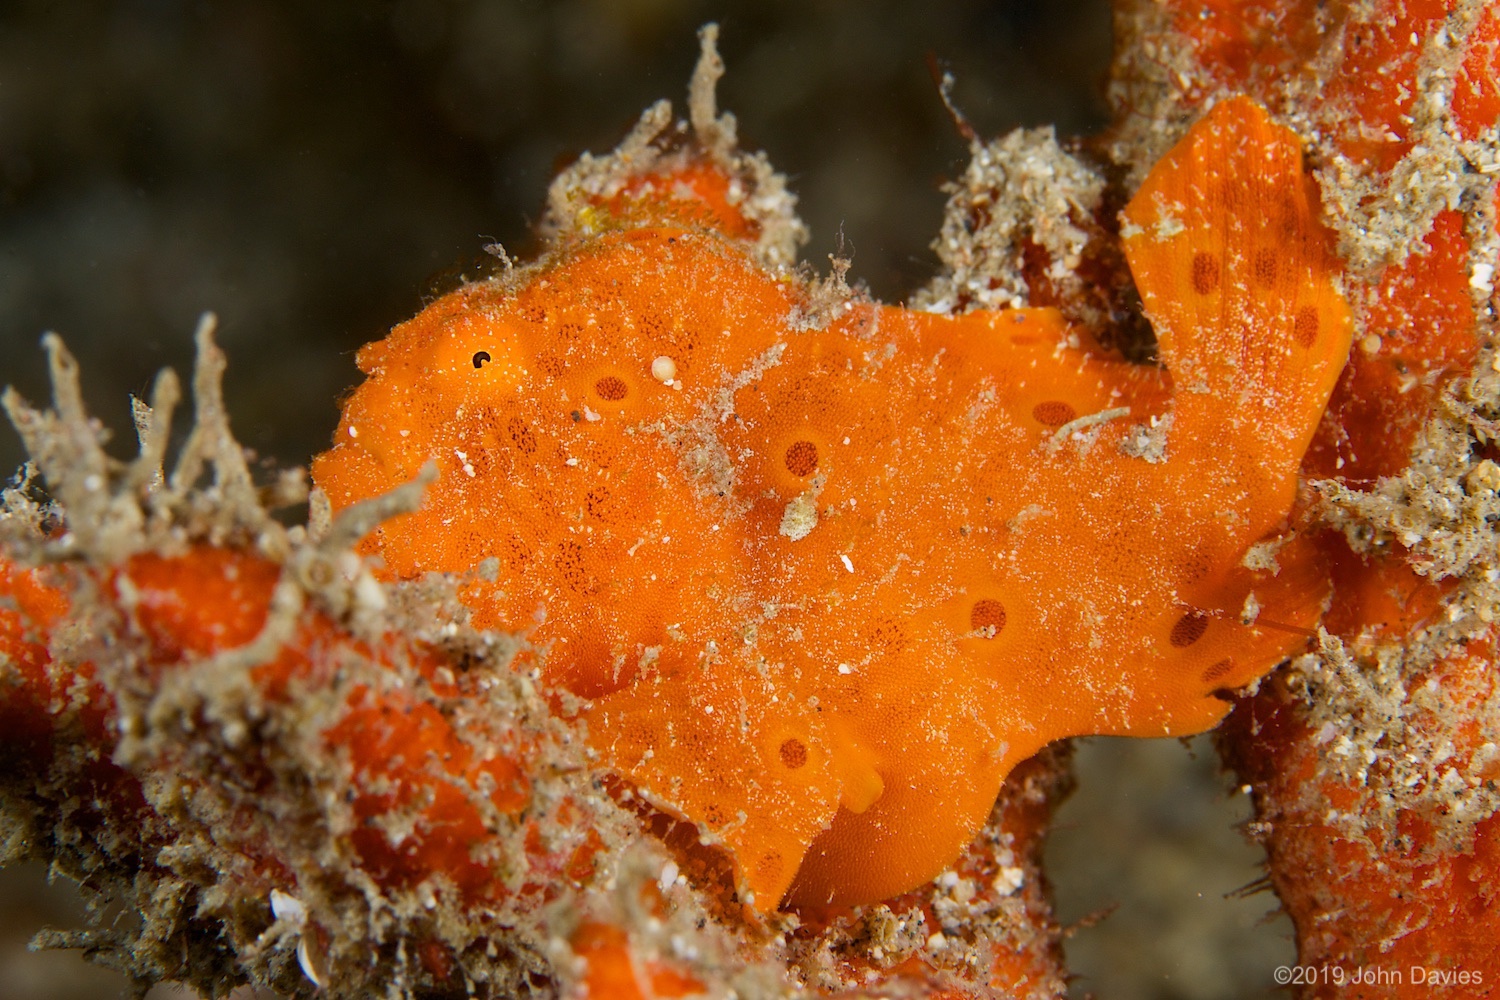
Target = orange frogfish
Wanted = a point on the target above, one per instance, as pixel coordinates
(825, 570)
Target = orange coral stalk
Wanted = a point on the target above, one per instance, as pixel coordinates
(1388, 902)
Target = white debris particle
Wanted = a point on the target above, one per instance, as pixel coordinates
(1484, 476)
(1483, 278)
(1148, 441)
(1168, 227)
(800, 516)
(1008, 881)
(285, 906)
(668, 876)
(309, 964)
(368, 594)
(682, 947)
(590, 415)
(664, 369)
(1074, 429)
(1251, 611)
(1261, 557)
(848, 564)
(845, 669)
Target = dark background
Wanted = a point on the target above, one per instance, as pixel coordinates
(315, 171)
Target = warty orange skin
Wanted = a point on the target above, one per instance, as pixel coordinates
(827, 582)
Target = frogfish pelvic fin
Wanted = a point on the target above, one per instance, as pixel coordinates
(826, 570)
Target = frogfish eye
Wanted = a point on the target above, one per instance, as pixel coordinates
(480, 357)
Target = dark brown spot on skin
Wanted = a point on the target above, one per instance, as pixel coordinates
(887, 637)
(1189, 629)
(1292, 227)
(1264, 267)
(1218, 670)
(571, 565)
(1205, 273)
(793, 753)
(519, 553)
(597, 501)
(611, 388)
(1305, 327)
(801, 458)
(988, 616)
(1053, 413)
(521, 436)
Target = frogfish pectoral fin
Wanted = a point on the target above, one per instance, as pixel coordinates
(764, 799)
(1238, 278)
